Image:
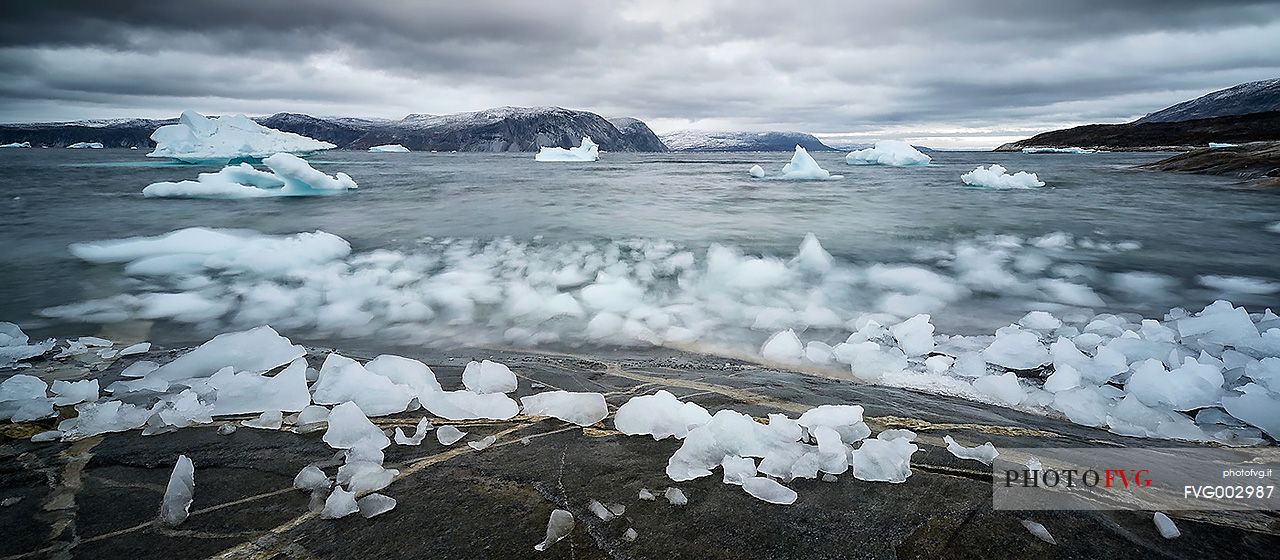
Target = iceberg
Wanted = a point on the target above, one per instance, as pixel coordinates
(997, 177)
(16, 145)
(803, 168)
(197, 139)
(1071, 150)
(588, 151)
(83, 145)
(894, 153)
(290, 176)
(388, 149)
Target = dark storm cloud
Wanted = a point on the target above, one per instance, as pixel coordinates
(821, 66)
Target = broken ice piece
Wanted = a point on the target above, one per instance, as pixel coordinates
(737, 469)
(93, 341)
(10, 501)
(676, 496)
(339, 504)
(348, 425)
(310, 478)
(1039, 531)
(829, 478)
(226, 429)
(630, 535)
(375, 504)
(1166, 526)
(139, 348)
(602, 512)
(269, 420)
(107, 354)
(484, 443)
(51, 435)
(525, 440)
(616, 509)
(139, 369)
(449, 435)
(176, 504)
(984, 453)
(558, 527)
(768, 489)
(313, 414)
(646, 495)
(419, 433)
(74, 392)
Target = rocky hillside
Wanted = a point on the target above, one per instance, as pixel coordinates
(504, 129)
(702, 141)
(1258, 161)
(1253, 97)
(638, 133)
(1159, 136)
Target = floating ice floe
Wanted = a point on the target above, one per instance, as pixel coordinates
(197, 139)
(176, 504)
(290, 176)
(84, 145)
(16, 145)
(388, 149)
(894, 153)
(583, 409)
(1046, 150)
(587, 151)
(997, 177)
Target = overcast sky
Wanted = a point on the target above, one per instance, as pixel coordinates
(942, 73)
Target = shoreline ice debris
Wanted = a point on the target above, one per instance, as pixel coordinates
(769, 490)
(178, 495)
(587, 151)
(1039, 531)
(15, 345)
(660, 415)
(488, 377)
(289, 176)
(449, 435)
(895, 153)
(84, 145)
(419, 433)
(1071, 150)
(997, 177)
(1168, 529)
(559, 525)
(583, 409)
(199, 139)
(348, 427)
(16, 145)
(985, 453)
(339, 504)
(675, 496)
(803, 167)
(388, 149)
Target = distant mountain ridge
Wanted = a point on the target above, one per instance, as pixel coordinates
(725, 141)
(501, 129)
(1247, 112)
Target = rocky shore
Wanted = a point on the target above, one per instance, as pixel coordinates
(1254, 161)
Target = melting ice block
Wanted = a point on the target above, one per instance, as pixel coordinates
(914, 336)
(588, 151)
(812, 258)
(769, 490)
(176, 504)
(559, 525)
(1004, 389)
(248, 392)
(348, 426)
(803, 168)
(488, 377)
(583, 409)
(197, 139)
(676, 496)
(466, 405)
(883, 459)
(895, 153)
(1016, 349)
(339, 504)
(1166, 526)
(757, 171)
(342, 379)
(784, 347)
(290, 176)
(660, 415)
(483, 443)
(984, 453)
(1039, 531)
(93, 418)
(997, 177)
(269, 420)
(257, 350)
(83, 145)
(14, 345)
(310, 478)
(388, 149)
(374, 505)
(419, 433)
(737, 469)
(449, 435)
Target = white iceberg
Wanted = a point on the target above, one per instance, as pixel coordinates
(16, 145)
(197, 139)
(997, 177)
(83, 145)
(290, 176)
(588, 151)
(388, 149)
(894, 153)
(803, 168)
(1071, 150)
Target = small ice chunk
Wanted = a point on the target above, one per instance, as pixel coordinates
(48, 435)
(483, 443)
(583, 409)
(419, 433)
(226, 429)
(348, 426)
(997, 177)
(558, 527)
(1039, 531)
(1004, 389)
(769, 490)
(1166, 526)
(675, 496)
(600, 511)
(845, 419)
(374, 505)
(269, 420)
(339, 504)
(1016, 349)
(139, 369)
(257, 350)
(74, 392)
(248, 392)
(1040, 321)
(466, 405)
(630, 535)
(660, 415)
(737, 469)
(342, 379)
(488, 377)
(93, 418)
(311, 478)
(783, 347)
(757, 171)
(984, 453)
(312, 415)
(646, 495)
(449, 435)
(176, 504)
(883, 460)
(139, 348)
(914, 336)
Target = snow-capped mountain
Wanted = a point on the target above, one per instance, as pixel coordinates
(716, 141)
(1244, 99)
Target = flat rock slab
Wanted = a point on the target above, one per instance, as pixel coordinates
(98, 498)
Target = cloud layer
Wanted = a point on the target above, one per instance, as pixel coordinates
(954, 72)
